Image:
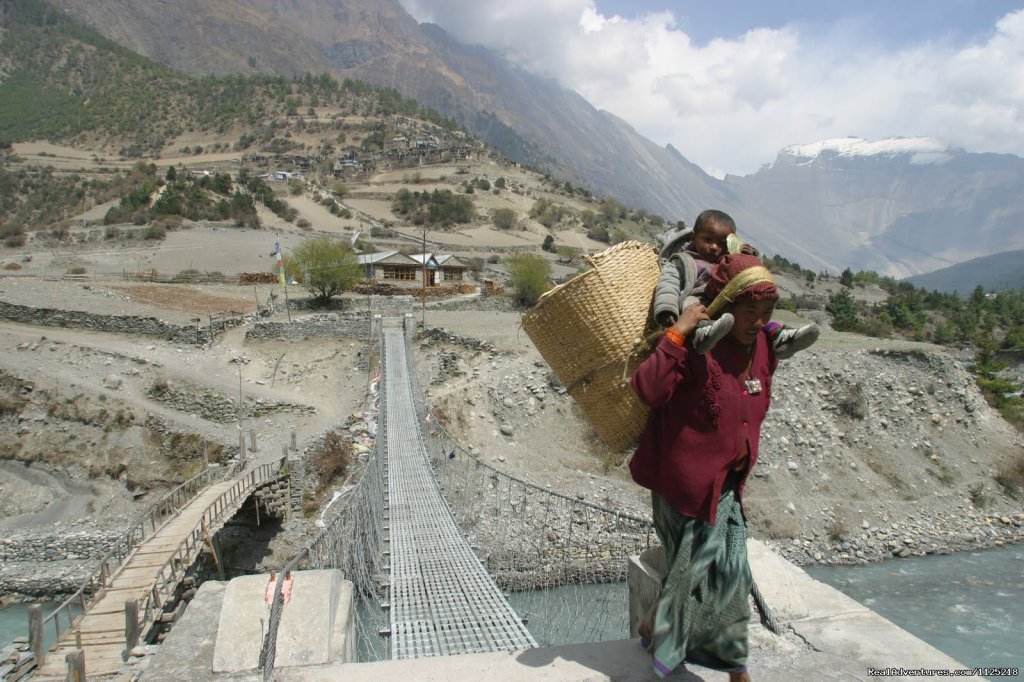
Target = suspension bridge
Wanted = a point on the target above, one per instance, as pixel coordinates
(465, 542)
(449, 555)
(443, 601)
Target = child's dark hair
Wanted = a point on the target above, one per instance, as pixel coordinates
(713, 217)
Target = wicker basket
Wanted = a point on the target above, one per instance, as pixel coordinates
(590, 330)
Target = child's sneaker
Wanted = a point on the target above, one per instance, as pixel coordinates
(707, 334)
(791, 340)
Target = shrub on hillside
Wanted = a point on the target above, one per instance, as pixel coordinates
(331, 459)
(599, 233)
(1011, 477)
(116, 214)
(529, 276)
(504, 218)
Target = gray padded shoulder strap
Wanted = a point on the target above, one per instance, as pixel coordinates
(687, 270)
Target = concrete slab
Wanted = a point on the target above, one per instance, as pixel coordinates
(310, 633)
(791, 593)
(618, 661)
(187, 652)
(831, 639)
(315, 625)
(871, 639)
(242, 623)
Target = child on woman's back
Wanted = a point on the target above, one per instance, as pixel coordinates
(687, 259)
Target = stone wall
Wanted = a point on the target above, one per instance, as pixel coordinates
(353, 325)
(118, 324)
(38, 546)
(380, 305)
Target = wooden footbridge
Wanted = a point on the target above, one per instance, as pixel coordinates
(138, 584)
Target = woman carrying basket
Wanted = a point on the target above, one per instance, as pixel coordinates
(699, 446)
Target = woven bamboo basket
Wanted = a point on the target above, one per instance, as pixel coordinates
(591, 332)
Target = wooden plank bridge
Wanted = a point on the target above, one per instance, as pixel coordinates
(148, 577)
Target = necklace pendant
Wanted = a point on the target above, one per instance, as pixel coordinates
(753, 386)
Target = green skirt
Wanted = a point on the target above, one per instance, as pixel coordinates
(703, 610)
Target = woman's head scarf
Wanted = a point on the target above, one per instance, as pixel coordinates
(739, 276)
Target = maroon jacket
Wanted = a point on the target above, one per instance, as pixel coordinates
(701, 415)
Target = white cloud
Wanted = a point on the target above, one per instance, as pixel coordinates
(733, 104)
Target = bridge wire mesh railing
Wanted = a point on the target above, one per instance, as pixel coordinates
(555, 556)
(353, 540)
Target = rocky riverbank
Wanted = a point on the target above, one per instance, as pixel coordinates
(868, 453)
(964, 531)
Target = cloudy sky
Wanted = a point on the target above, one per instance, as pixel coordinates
(731, 82)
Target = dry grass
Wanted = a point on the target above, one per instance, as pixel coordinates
(852, 402)
(10, 404)
(1011, 477)
(979, 498)
(185, 298)
(837, 530)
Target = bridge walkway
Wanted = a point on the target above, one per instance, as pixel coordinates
(442, 599)
(150, 575)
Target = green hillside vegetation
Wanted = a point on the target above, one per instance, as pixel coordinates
(988, 322)
(65, 82)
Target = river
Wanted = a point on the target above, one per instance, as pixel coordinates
(14, 622)
(969, 605)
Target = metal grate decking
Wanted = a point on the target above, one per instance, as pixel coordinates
(442, 599)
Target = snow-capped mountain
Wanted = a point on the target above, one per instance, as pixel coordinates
(899, 206)
(921, 149)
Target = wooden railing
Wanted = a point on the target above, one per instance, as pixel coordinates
(173, 570)
(147, 523)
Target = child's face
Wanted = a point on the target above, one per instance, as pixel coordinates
(709, 242)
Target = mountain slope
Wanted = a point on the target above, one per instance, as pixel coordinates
(894, 208)
(998, 272)
(529, 119)
(900, 207)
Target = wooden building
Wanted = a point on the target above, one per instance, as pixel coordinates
(397, 269)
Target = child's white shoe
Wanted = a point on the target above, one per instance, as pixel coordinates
(707, 334)
(791, 340)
